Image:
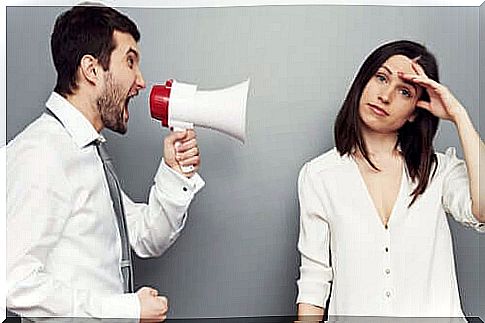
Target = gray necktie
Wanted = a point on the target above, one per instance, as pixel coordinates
(115, 192)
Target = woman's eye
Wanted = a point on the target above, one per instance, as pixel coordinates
(130, 62)
(406, 93)
(381, 78)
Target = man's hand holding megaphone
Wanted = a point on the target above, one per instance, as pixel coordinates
(180, 150)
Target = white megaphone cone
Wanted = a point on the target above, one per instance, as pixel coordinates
(181, 106)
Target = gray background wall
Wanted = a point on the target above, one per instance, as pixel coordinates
(237, 255)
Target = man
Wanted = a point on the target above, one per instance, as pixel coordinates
(64, 239)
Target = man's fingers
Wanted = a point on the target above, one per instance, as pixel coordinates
(175, 136)
(153, 292)
(190, 135)
(163, 299)
(163, 303)
(183, 135)
(186, 145)
(189, 153)
(180, 149)
(190, 161)
(148, 290)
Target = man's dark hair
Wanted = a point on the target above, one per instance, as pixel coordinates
(85, 30)
(415, 139)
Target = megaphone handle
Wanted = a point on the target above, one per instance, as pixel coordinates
(185, 169)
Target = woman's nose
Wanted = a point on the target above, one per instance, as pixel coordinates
(385, 94)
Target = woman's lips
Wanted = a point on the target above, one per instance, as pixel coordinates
(377, 110)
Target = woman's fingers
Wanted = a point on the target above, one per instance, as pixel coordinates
(424, 105)
(418, 69)
(421, 80)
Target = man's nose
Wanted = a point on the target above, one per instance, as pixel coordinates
(140, 81)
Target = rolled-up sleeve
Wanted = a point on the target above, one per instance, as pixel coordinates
(153, 227)
(456, 191)
(313, 244)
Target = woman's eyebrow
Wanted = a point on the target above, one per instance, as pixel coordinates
(404, 81)
(387, 68)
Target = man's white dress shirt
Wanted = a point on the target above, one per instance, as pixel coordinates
(63, 243)
(406, 269)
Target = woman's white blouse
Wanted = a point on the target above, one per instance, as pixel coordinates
(404, 269)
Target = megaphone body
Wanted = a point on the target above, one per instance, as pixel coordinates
(181, 106)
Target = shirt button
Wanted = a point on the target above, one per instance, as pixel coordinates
(386, 227)
(388, 271)
(185, 189)
(388, 294)
(387, 249)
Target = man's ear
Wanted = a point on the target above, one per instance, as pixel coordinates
(89, 69)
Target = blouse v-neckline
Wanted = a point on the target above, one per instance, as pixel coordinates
(372, 206)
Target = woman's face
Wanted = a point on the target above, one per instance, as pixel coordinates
(387, 101)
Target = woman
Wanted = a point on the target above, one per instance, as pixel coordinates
(373, 221)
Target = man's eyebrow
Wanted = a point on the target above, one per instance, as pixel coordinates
(133, 51)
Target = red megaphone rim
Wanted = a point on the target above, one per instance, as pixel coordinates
(159, 101)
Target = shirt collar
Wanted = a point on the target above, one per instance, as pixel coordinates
(81, 130)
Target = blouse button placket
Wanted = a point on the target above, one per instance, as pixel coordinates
(388, 292)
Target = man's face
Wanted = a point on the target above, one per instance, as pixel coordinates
(122, 81)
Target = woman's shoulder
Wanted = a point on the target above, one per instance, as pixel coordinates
(331, 160)
(448, 158)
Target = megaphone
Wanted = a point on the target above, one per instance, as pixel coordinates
(181, 106)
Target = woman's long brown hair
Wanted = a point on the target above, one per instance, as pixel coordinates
(415, 139)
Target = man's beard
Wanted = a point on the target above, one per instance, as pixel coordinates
(111, 106)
